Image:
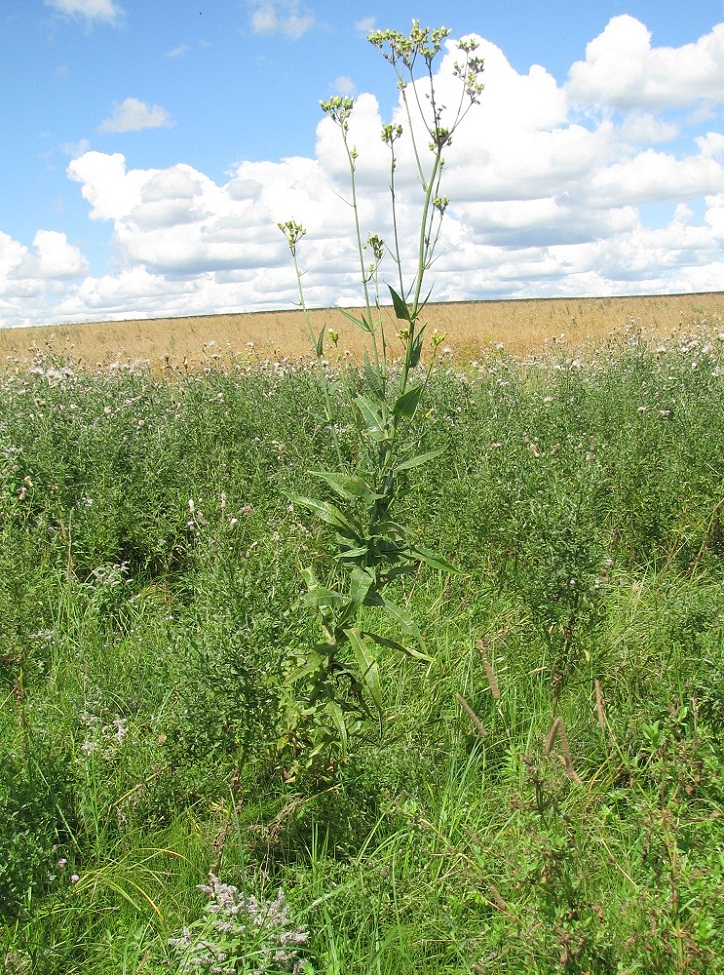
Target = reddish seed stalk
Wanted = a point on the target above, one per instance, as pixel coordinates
(492, 680)
(478, 724)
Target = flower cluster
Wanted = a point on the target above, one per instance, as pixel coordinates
(240, 934)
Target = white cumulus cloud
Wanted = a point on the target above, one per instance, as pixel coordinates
(110, 190)
(56, 257)
(90, 10)
(285, 17)
(622, 69)
(131, 115)
(178, 220)
(366, 24)
(53, 257)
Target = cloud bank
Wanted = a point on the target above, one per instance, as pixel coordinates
(612, 183)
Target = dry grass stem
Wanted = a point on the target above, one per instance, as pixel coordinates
(479, 726)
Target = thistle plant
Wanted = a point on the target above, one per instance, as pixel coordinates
(332, 688)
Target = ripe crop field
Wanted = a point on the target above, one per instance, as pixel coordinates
(188, 784)
(471, 328)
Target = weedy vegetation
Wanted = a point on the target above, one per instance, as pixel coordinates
(399, 668)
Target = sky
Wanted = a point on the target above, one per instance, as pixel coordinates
(151, 147)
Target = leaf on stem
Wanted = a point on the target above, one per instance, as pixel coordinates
(401, 310)
(407, 465)
(361, 582)
(311, 664)
(374, 378)
(406, 404)
(434, 560)
(362, 322)
(373, 419)
(320, 597)
(337, 715)
(330, 514)
(367, 663)
(349, 487)
(416, 350)
(319, 344)
(384, 641)
(403, 618)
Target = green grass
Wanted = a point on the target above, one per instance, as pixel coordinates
(144, 642)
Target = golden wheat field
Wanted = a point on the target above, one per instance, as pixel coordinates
(522, 327)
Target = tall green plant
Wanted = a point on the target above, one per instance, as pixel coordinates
(373, 546)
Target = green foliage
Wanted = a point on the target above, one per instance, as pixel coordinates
(143, 676)
(29, 831)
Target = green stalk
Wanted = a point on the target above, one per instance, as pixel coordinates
(351, 156)
(395, 228)
(293, 235)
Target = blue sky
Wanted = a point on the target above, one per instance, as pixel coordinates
(151, 146)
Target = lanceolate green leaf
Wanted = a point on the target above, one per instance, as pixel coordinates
(319, 347)
(374, 378)
(403, 618)
(353, 554)
(322, 596)
(407, 465)
(362, 322)
(337, 716)
(406, 404)
(432, 559)
(383, 641)
(401, 310)
(416, 350)
(367, 665)
(361, 582)
(347, 486)
(310, 665)
(330, 514)
(373, 419)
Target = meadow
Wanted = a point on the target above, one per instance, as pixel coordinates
(545, 796)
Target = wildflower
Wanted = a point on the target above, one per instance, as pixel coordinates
(237, 928)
